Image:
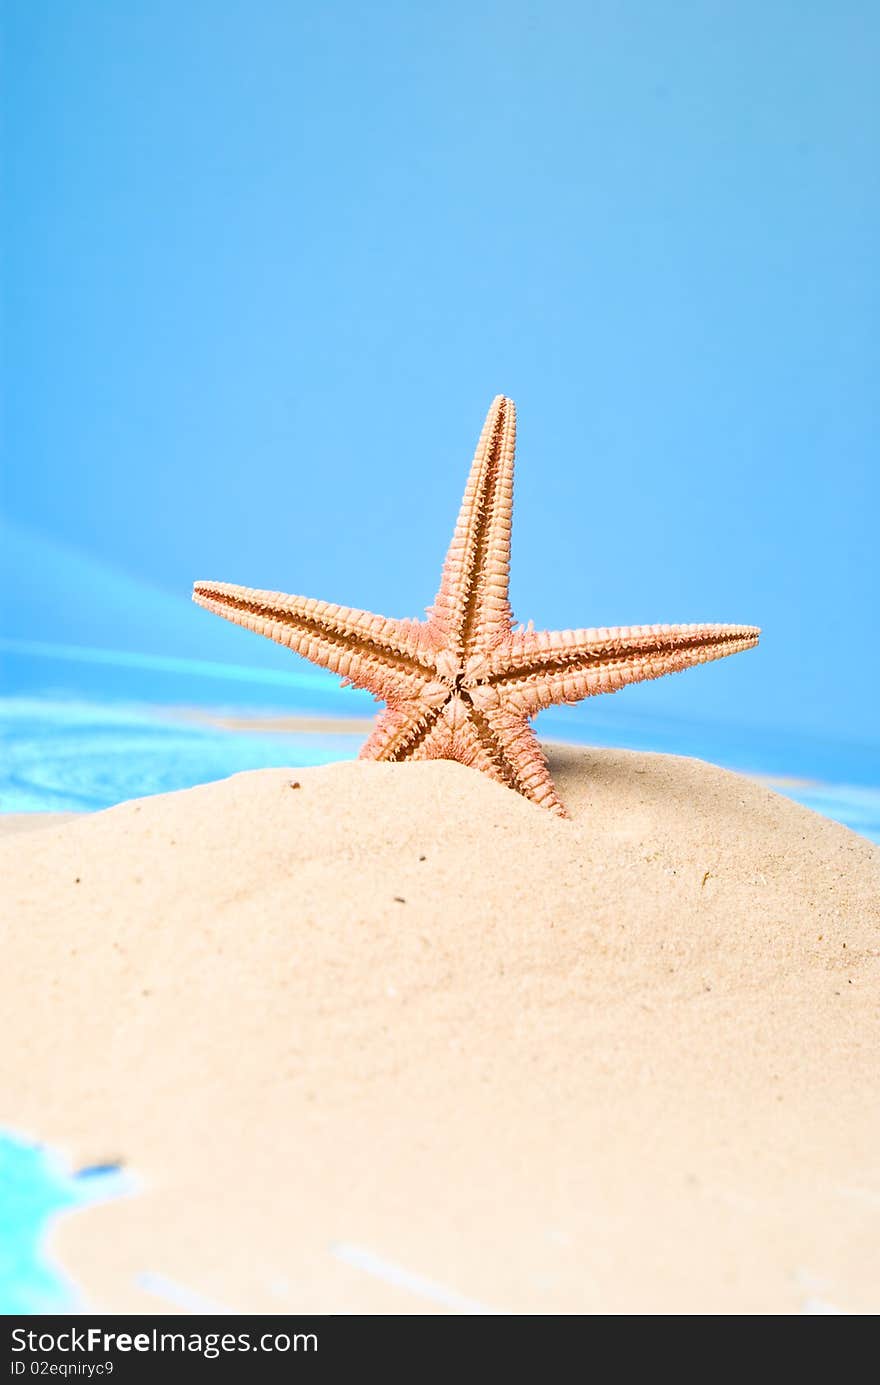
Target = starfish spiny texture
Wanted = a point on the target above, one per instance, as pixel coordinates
(463, 684)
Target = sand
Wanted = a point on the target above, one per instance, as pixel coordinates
(316, 725)
(397, 1041)
(31, 822)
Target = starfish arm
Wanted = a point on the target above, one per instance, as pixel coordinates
(401, 732)
(498, 743)
(524, 762)
(386, 657)
(472, 608)
(430, 738)
(475, 746)
(536, 669)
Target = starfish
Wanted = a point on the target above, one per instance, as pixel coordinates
(464, 683)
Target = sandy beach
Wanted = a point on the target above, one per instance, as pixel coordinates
(12, 823)
(390, 1039)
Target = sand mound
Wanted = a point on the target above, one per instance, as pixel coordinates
(391, 1039)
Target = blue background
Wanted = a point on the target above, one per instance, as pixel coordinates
(265, 265)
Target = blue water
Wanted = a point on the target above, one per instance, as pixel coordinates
(58, 755)
(70, 757)
(35, 1187)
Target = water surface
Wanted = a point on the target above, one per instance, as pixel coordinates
(35, 1188)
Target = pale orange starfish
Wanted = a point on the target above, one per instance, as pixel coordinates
(463, 684)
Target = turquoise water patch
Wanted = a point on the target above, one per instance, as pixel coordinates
(35, 1188)
(73, 756)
